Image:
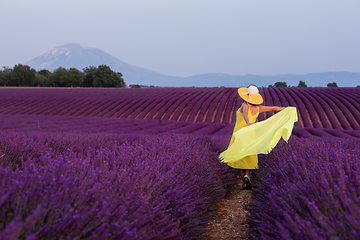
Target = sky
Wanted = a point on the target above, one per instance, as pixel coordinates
(188, 37)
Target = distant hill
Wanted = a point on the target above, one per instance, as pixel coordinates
(343, 79)
(78, 56)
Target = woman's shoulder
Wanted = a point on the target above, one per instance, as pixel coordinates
(243, 105)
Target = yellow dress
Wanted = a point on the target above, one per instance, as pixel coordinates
(248, 162)
(258, 138)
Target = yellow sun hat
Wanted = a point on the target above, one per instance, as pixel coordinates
(250, 94)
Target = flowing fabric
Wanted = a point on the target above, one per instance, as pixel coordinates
(251, 161)
(261, 137)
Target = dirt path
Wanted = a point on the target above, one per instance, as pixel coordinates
(230, 217)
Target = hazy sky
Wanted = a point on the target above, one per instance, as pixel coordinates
(187, 37)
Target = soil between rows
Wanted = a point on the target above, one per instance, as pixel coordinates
(230, 216)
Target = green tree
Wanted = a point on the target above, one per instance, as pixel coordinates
(23, 75)
(89, 76)
(105, 77)
(75, 78)
(57, 77)
(302, 84)
(280, 84)
(122, 82)
(62, 77)
(333, 84)
(2, 77)
(6, 76)
(46, 73)
(40, 80)
(43, 78)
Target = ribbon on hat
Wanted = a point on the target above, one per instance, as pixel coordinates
(249, 99)
(251, 90)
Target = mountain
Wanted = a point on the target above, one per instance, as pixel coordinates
(78, 56)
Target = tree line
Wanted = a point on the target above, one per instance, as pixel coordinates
(101, 76)
(24, 75)
(301, 84)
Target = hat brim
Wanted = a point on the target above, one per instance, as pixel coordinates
(255, 99)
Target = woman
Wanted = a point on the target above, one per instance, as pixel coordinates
(254, 139)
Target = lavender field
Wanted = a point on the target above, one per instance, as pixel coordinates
(322, 111)
(143, 163)
(308, 189)
(93, 186)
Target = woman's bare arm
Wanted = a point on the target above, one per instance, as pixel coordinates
(245, 109)
(270, 108)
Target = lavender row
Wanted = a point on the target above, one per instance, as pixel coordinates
(337, 108)
(268, 102)
(291, 102)
(349, 107)
(153, 112)
(197, 107)
(302, 109)
(207, 102)
(308, 189)
(212, 110)
(185, 112)
(324, 132)
(171, 112)
(163, 108)
(230, 108)
(307, 106)
(339, 114)
(333, 121)
(222, 104)
(32, 123)
(319, 109)
(67, 186)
